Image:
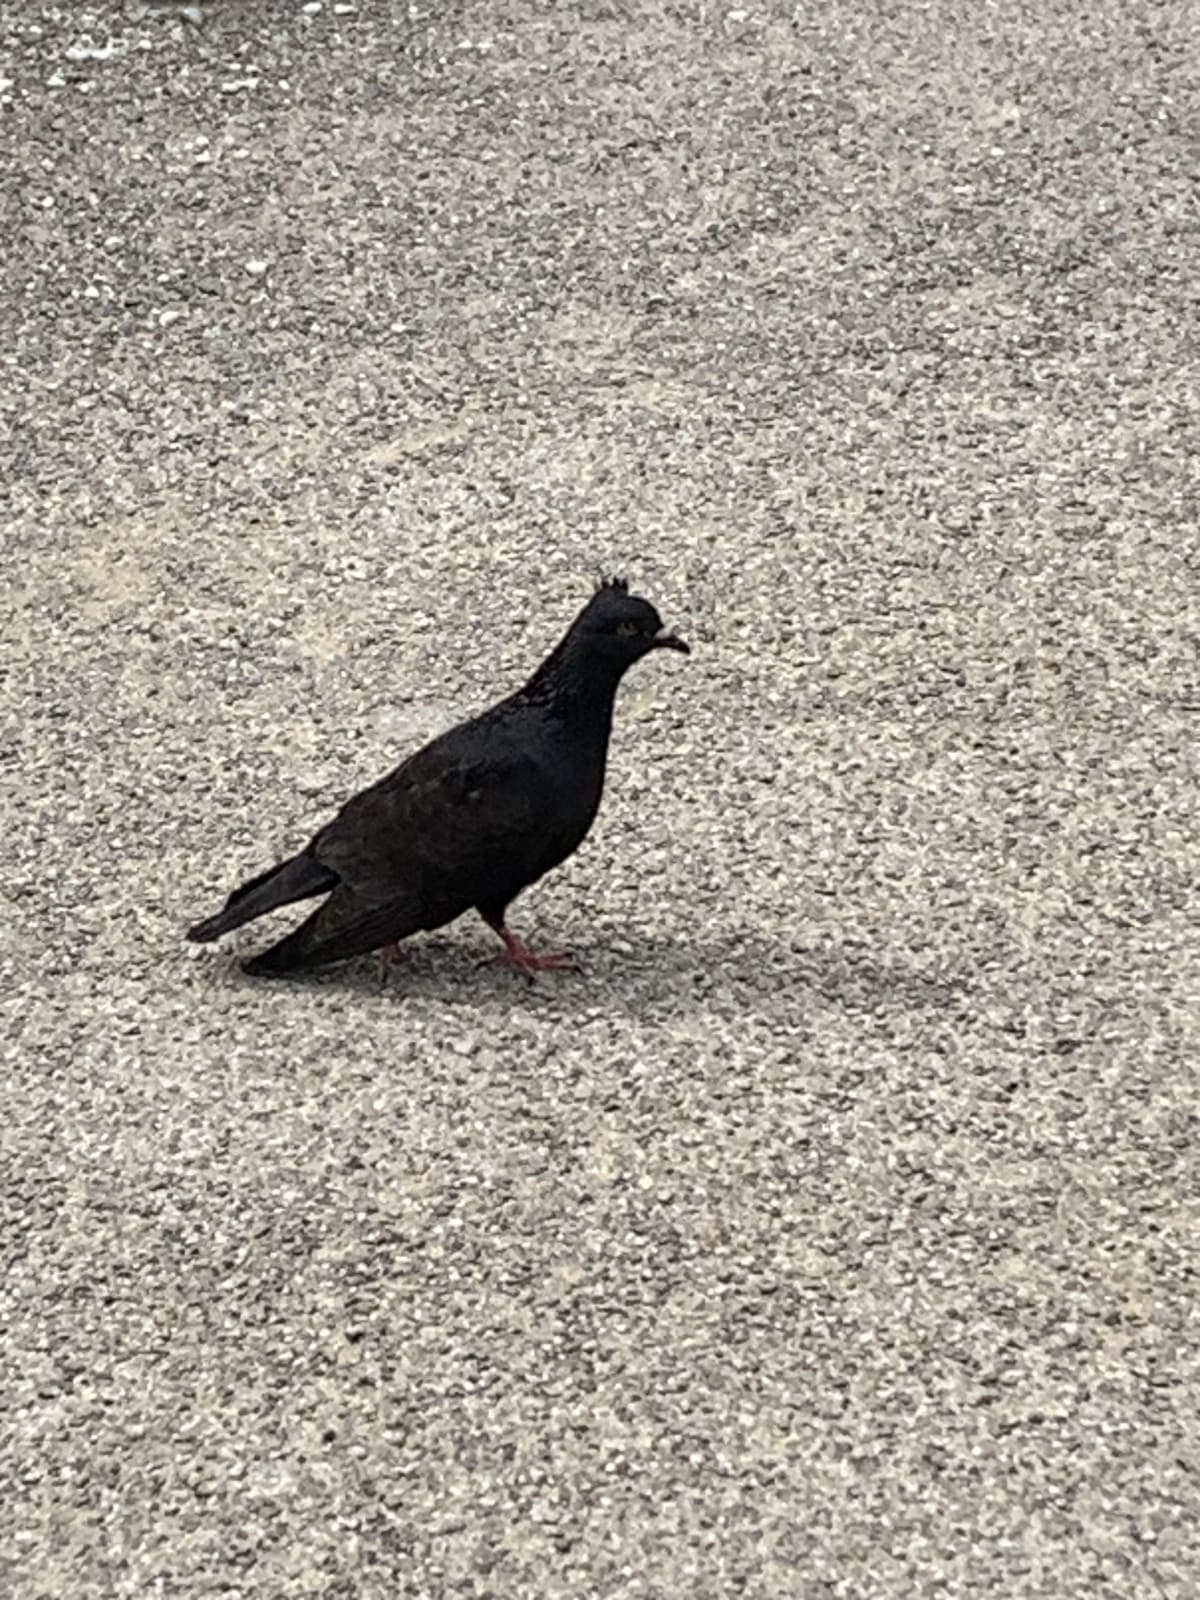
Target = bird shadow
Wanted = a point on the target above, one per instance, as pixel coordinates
(651, 973)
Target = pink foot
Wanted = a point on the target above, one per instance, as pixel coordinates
(528, 963)
(389, 954)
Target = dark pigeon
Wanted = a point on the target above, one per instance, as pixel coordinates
(470, 820)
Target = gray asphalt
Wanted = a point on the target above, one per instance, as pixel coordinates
(835, 1233)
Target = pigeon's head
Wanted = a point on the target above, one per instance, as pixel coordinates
(621, 627)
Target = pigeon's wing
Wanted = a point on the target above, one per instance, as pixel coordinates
(448, 829)
(348, 924)
(434, 838)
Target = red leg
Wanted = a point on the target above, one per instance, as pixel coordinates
(527, 962)
(389, 954)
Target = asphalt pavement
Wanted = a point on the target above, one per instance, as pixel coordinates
(834, 1233)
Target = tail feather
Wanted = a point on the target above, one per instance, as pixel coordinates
(296, 879)
(291, 954)
(343, 926)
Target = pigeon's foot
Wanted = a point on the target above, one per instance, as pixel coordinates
(529, 963)
(389, 955)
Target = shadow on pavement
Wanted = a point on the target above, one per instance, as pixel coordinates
(648, 972)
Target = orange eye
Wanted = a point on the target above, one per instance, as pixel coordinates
(627, 629)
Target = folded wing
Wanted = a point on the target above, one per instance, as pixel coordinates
(444, 832)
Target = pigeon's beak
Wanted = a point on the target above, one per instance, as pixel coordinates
(664, 639)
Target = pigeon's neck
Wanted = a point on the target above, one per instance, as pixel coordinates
(577, 689)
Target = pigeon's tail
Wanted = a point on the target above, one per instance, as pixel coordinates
(343, 926)
(296, 879)
(291, 954)
(295, 951)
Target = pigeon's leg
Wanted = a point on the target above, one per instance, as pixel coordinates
(389, 954)
(527, 962)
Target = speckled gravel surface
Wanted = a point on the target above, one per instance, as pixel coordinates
(836, 1233)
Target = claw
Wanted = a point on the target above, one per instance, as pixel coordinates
(528, 964)
(516, 953)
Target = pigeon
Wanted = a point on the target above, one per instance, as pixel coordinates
(469, 821)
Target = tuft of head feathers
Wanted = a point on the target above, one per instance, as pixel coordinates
(620, 584)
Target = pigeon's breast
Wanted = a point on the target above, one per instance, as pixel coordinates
(574, 789)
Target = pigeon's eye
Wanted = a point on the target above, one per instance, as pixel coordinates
(627, 629)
